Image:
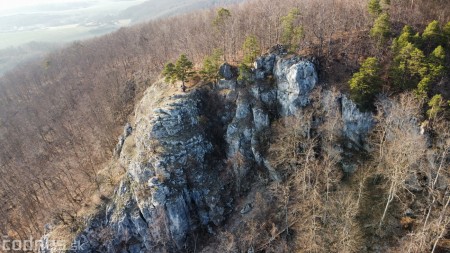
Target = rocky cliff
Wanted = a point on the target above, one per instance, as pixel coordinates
(189, 157)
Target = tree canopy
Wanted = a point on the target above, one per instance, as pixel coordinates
(366, 83)
(220, 25)
(432, 35)
(211, 65)
(180, 71)
(292, 33)
(435, 106)
(436, 63)
(381, 29)
(406, 36)
(251, 49)
(408, 67)
(375, 8)
(446, 31)
(221, 17)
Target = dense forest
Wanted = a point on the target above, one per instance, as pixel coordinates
(60, 115)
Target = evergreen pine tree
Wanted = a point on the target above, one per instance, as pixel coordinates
(221, 17)
(366, 83)
(381, 29)
(423, 88)
(220, 23)
(292, 34)
(180, 71)
(211, 65)
(436, 63)
(446, 31)
(408, 67)
(244, 73)
(405, 37)
(251, 49)
(374, 8)
(432, 35)
(435, 106)
(169, 72)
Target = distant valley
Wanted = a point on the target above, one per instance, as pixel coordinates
(30, 32)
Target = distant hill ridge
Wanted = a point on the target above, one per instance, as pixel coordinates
(153, 9)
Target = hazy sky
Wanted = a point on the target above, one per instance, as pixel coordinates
(10, 4)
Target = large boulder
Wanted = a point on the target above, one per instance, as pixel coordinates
(296, 78)
(227, 71)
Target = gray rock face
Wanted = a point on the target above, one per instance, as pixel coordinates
(178, 178)
(357, 124)
(245, 134)
(295, 80)
(278, 50)
(351, 125)
(170, 188)
(227, 71)
(264, 66)
(127, 130)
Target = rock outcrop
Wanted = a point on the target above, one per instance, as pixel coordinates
(127, 130)
(171, 186)
(193, 154)
(295, 80)
(227, 71)
(355, 124)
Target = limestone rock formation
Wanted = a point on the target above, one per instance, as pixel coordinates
(193, 154)
(227, 71)
(295, 80)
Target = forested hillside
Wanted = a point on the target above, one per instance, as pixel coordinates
(153, 9)
(60, 117)
(30, 31)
